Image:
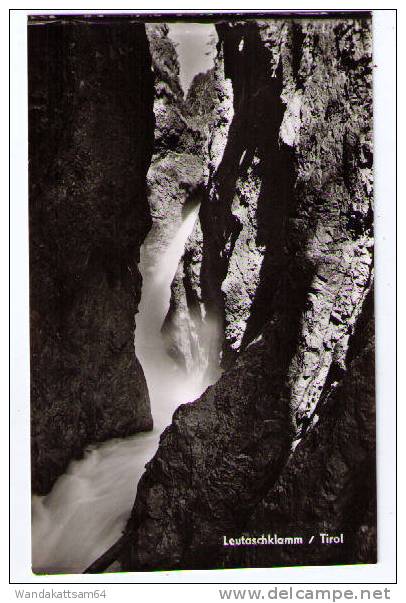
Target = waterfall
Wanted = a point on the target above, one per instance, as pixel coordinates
(168, 386)
(88, 506)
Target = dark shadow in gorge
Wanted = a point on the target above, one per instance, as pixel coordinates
(91, 128)
(254, 132)
(276, 203)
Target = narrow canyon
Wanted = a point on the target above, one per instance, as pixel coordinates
(201, 291)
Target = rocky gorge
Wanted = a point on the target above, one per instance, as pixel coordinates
(284, 261)
(272, 297)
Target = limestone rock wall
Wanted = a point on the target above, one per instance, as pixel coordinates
(282, 438)
(176, 169)
(91, 128)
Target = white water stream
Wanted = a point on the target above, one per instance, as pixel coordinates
(88, 506)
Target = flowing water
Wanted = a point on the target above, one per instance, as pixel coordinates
(88, 506)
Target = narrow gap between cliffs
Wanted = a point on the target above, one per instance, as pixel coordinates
(84, 514)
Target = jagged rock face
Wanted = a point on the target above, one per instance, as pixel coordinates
(91, 134)
(212, 464)
(176, 169)
(286, 261)
(176, 181)
(290, 131)
(328, 485)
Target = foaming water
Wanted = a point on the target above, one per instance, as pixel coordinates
(88, 507)
(168, 385)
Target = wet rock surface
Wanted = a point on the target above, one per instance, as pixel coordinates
(176, 170)
(176, 184)
(283, 255)
(91, 135)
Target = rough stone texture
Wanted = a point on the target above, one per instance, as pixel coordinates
(91, 136)
(212, 464)
(328, 486)
(176, 169)
(283, 439)
(176, 181)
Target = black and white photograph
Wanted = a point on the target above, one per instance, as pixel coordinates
(201, 291)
